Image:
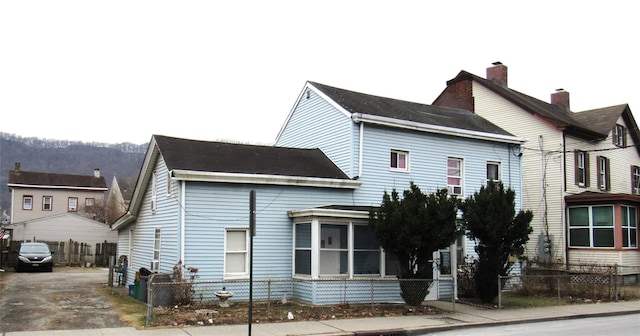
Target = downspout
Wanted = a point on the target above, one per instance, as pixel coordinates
(183, 212)
(360, 149)
(563, 205)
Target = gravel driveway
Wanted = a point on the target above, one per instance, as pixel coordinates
(62, 300)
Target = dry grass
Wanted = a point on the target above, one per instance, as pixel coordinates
(131, 311)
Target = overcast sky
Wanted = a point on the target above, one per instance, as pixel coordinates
(121, 71)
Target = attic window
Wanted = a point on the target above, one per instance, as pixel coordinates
(308, 94)
(619, 136)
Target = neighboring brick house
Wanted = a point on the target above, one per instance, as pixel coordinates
(581, 170)
(37, 195)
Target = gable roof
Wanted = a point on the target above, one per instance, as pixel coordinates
(398, 113)
(209, 161)
(26, 179)
(207, 156)
(555, 115)
(125, 185)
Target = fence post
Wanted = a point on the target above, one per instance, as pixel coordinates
(269, 298)
(149, 302)
(558, 286)
(372, 297)
(111, 263)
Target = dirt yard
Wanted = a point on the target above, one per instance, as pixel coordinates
(62, 300)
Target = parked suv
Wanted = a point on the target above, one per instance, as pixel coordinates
(34, 256)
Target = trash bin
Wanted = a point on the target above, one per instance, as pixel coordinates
(143, 288)
(132, 292)
(136, 289)
(161, 289)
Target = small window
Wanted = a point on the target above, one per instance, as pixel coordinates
(27, 202)
(454, 176)
(73, 204)
(604, 179)
(493, 171)
(581, 168)
(153, 192)
(399, 160)
(47, 203)
(155, 263)
(635, 180)
(169, 185)
(236, 253)
(619, 136)
(89, 203)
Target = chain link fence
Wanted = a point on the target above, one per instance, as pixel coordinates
(227, 302)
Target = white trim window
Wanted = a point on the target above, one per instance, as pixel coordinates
(581, 168)
(629, 227)
(154, 196)
(604, 177)
(334, 250)
(302, 247)
(591, 226)
(493, 171)
(619, 136)
(454, 176)
(27, 202)
(399, 160)
(157, 243)
(236, 253)
(72, 204)
(47, 203)
(169, 184)
(366, 251)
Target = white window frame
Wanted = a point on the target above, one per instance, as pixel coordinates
(27, 202)
(72, 204)
(635, 180)
(603, 173)
(157, 245)
(452, 187)
(47, 203)
(301, 248)
(154, 198)
(169, 184)
(245, 252)
(619, 136)
(632, 228)
(398, 154)
(582, 168)
(498, 171)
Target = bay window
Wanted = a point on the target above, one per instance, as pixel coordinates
(591, 226)
(629, 227)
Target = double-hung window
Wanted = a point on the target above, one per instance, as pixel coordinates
(493, 171)
(27, 202)
(89, 203)
(366, 251)
(72, 204)
(619, 136)
(236, 256)
(334, 249)
(303, 249)
(591, 226)
(47, 203)
(635, 180)
(399, 160)
(604, 179)
(581, 168)
(155, 263)
(629, 227)
(454, 176)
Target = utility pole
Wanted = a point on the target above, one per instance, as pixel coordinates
(252, 229)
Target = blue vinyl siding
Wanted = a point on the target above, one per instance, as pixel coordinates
(314, 123)
(428, 155)
(212, 207)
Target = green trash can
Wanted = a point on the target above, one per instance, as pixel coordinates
(136, 289)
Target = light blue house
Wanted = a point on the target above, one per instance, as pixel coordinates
(336, 154)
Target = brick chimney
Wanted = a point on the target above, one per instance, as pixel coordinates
(497, 73)
(560, 98)
(96, 173)
(17, 167)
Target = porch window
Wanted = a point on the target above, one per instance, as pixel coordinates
(47, 203)
(366, 251)
(303, 249)
(454, 176)
(236, 252)
(27, 202)
(629, 227)
(334, 249)
(399, 160)
(591, 226)
(581, 168)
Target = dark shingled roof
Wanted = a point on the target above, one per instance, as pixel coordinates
(601, 120)
(552, 113)
(126, 184)
(57, 180)
(355, 102)
(208, 156)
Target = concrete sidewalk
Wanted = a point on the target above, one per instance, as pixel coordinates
(463, 316)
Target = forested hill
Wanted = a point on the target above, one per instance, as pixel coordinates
(65, 157)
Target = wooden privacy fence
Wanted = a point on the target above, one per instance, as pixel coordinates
(71, 253)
